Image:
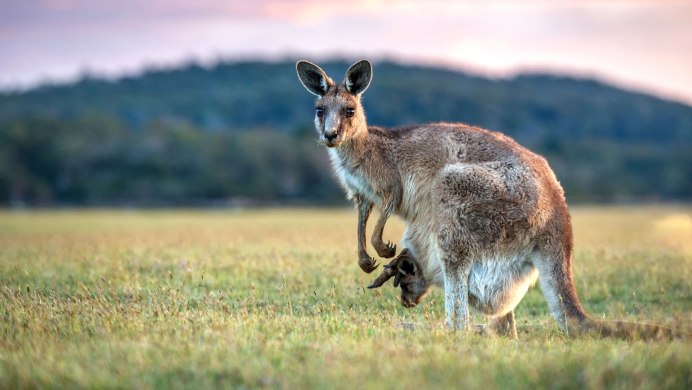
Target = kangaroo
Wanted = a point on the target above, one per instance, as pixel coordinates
(485, 216)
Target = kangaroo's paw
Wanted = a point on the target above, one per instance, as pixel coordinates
(367, 264)
(387, 250)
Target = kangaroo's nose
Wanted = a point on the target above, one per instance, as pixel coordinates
(330, 135)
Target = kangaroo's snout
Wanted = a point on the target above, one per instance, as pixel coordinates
(331, 138)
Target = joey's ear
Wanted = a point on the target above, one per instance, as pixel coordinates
(407, 265)
(358, 77)
(313, 78)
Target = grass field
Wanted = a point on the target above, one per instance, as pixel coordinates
(193, 299)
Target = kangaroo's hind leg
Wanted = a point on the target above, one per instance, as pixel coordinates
(476, 220)
(456, 278)
(460, 194)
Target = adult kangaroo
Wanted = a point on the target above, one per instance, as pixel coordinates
(485, 216)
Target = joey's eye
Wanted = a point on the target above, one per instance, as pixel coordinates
(350, 112)
(319, 111)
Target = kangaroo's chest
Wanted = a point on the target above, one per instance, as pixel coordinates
(356, 183)
(354, 180)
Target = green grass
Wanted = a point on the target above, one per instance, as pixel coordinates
(193, 299)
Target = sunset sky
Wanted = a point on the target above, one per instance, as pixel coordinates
(638, 44)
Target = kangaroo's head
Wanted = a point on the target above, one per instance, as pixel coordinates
(339, 115)
(408, 275)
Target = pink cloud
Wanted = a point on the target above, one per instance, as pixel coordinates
(642, 43)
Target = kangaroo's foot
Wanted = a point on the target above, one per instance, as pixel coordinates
(504, 325)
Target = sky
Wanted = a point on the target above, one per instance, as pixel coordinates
(643, 45)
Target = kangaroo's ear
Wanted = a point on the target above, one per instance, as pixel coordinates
(313, 78)
(358, 77)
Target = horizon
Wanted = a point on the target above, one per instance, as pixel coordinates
(149, 68)
(638, 45)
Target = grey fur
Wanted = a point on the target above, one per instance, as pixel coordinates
(485, 216)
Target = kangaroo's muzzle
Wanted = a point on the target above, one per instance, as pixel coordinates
(330, 137)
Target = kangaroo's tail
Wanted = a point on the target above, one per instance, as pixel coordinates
(575, 321)
(625, 330)
(557, 283)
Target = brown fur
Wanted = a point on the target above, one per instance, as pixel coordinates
(485, 216)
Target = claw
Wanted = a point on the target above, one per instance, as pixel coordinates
(368, 265)
(387, 250)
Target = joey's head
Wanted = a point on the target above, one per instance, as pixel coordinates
(408, 275)
(339, 115)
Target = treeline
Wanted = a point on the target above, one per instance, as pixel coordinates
(100, 161)
(241, 133)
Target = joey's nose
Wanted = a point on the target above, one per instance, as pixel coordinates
(407, 303)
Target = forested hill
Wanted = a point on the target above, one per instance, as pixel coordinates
(243, 130)
(249, 95)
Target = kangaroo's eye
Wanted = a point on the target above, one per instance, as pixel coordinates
(319, 111)
(350, 112)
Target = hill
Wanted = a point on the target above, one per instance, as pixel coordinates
(243, 130)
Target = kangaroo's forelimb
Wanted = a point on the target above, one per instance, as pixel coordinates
(365, 262)
(386, 250)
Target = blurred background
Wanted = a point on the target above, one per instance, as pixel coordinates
(196, 103)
